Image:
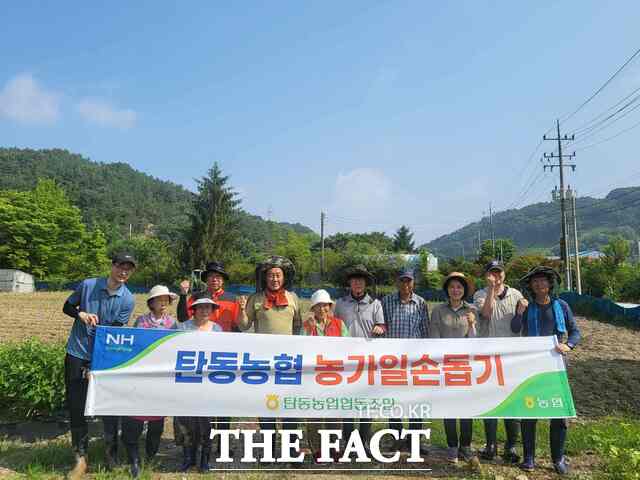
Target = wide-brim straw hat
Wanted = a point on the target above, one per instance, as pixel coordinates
(467, 282)
(321, 296)
(161, 291)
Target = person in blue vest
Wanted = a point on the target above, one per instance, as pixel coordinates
(545, 315)
(96, 301)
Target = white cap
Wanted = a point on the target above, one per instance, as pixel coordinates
(205, 301)
(320, 296)
(159, 291)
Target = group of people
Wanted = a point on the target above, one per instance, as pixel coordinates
(498, 310)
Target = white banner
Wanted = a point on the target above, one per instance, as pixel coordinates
(178, 373)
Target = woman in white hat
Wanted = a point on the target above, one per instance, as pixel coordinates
(196, 431)
(323, 323)
(158, 301)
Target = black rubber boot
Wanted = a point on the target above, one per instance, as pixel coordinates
(110, 454)
(204, 459)
(188, 458)
(133, 455)
(152, 445)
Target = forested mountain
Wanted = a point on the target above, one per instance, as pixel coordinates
(114, 196)
(537, 226)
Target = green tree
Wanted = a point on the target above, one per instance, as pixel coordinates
(41, 232)
(616, 251)
(403, 240)
(156, 260)
(214, 222)
(297, 248)
(504, 249)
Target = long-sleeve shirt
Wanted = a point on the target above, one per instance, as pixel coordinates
(547, 323)
(360, 315)
(279, 320)
(504, 308)
(405, 319)
(449, 323)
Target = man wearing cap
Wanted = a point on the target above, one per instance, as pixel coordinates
(364, 317)
(96, 301)
(406, 315)
(497, 305)
(545, 315)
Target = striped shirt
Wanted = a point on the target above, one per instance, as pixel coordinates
(360, 315)
(504, 309)
(406, 320)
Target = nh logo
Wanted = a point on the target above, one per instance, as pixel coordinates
(119, 339)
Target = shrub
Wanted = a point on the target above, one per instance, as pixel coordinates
(31, 378)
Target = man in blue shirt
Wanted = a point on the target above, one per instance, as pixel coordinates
(96, 301)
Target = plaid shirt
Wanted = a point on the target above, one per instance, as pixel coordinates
(406, 320)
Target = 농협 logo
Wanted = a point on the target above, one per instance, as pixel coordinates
(119, 339)
(529, 402)
(273, 402)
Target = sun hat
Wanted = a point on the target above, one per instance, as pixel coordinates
(159, 291)
(467, 283)
(358, 271)
(204, 299)
(321, 296)
(275, 261)
(550, 273)
(214, 267)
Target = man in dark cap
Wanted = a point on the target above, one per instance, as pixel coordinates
(406, 315)
(95, 301)
(497, 304)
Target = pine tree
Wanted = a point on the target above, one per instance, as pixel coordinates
(213, 234)
(403, 240)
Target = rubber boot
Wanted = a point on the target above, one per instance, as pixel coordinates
(110, 454)
(204, 459)
(152, 445)
(133, 455)
(188, 457)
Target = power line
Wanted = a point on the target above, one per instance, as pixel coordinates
(584, 125)
(583, 104)
(635, 125)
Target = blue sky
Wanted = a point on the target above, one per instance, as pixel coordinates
(380, 113)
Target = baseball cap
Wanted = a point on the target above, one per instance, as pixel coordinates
(406, 273)
(124, 257)
(494, 265)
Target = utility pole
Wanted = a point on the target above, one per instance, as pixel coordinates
(480, 243)
(322, 219)
(270, 225)
(572, 195)
(564, 247)
(493, 237)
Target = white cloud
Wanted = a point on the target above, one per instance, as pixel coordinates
(362, 192)
(23, 100)
(106, 115)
